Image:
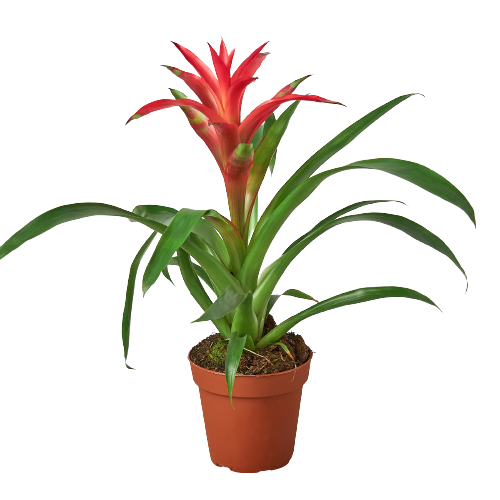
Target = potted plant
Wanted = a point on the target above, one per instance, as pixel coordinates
(250, 420)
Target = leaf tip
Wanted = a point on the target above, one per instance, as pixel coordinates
(133, 117)
(129, 367)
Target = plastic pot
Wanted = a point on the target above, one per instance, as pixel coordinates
(259, 433)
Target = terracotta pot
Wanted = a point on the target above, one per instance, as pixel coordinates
(259, 433)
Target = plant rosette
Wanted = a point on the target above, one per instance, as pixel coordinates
(223, 256)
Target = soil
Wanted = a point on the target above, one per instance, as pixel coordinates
(210, 354)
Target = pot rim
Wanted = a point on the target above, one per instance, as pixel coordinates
(223, 374)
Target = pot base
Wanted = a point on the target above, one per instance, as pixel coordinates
(252, 468)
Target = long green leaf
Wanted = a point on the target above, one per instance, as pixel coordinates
(68, 213)
(252, 221)
(274, 298)
(254, 215)
(199, 271)
(416, 231)
(224, 304)
(420, 176)
(270, 276)
(129, 296)
(413, 172)
(232, 240)
(344, 299)
(264, 154)
(261, 158)
(272, 163)
(233, 355)
(245, 321)
(267, 125)
(196, 289)
(156, 212)
(251, 267)
(203, 228)
(175, 235)
(203, 245)
(292, 292)
(203, 276)
(324, 154)
(214, 268)
(262, 131)
(405, 225)
(218, 273)
(177, 232)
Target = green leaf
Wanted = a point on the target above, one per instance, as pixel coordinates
(225, 304)
(271, 276)
(173, 261)
(420, 176)
(285, 348)
(217, 272)
(270, 121)
(252, 222)
(272, 163)
(174, 236)
(254, 216)
(325, 224)
(231, 237)
(166, 273)
(274, 131)
(196, 289)
(344, 299)
(264, 153)
(129, 296)
(214, 268)
(156, 212)
(203, 228)
(412, 172)
(292, 292)
(233, 355)
(203, 245)
(267, 125)
(68, 213)
(259, 246)
(262, 131)
(257, 137)
(272, 300)
(412, 229)
(324, 154)
(197, 269)
(245, 321)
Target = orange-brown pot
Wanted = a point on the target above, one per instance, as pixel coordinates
(259, 433)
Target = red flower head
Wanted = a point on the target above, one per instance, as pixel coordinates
(217, 117)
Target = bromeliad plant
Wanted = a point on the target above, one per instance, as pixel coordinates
(230, 252)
